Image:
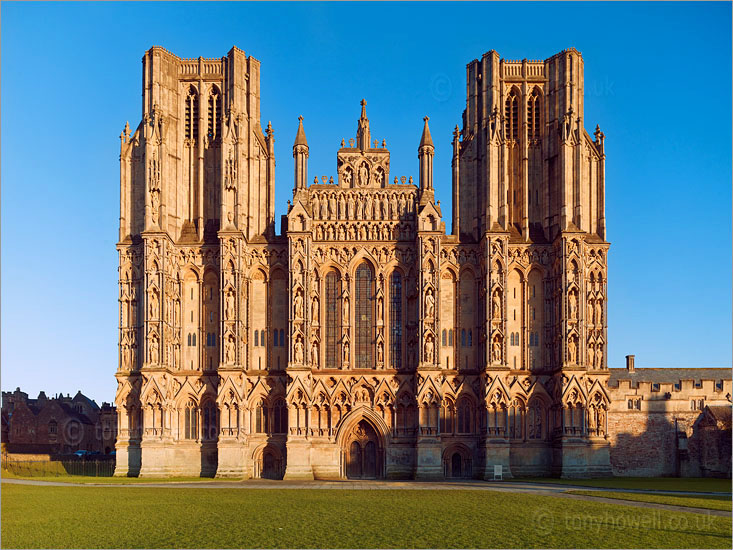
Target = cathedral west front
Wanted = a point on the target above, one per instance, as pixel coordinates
(363, 341)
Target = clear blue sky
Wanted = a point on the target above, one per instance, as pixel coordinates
(658, 81)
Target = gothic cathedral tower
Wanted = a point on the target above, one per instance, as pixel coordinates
(197, 177)
(528, 186)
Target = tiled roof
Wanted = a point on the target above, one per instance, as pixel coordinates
(667, 376)
(721, 413)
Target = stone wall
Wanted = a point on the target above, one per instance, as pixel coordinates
(645, 443)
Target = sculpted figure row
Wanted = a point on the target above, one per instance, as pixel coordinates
(361, 206)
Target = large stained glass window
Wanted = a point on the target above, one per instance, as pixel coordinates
(395, 320)
(333, 322)
(364, 321)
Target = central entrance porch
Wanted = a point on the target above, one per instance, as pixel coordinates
(363, 453)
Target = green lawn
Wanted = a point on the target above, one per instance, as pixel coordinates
(135, 517)
(108, 479)
(710, 502)
(697, 484)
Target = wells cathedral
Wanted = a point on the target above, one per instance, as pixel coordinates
(364, 341)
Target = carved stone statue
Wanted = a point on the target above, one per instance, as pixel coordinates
(347, 177)
(589, 313)
(346, 310)
(380, 309)
(496, 351)
(393, 206)
(599, 312)
(298, 305)
(350, 208)
(572, 350)
(324, 209)
(314, 353)
(573, 304)
(314, 309)
(229, 305)
(153, 305)
(298, 350)
(496, 301)
(229, 352)
(429, 304)
(380, 353)
(154, 349)
(599, 357)
(316, 206)
(332, 206)
(429, 349)
(368, 206)
(363, 174)
(360, 208)
(155, 200)
(346, 351)
(342, 207)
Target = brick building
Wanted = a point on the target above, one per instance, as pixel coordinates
(57, 425)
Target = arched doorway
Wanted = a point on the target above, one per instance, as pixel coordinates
(457, 462)
(269, 464)
(364, 453)
(455, 468)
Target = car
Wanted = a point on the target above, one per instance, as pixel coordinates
(81, 453)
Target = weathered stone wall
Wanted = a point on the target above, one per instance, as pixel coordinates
(658, 443)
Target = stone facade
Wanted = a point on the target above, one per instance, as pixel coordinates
(670, 422)
(364, 341)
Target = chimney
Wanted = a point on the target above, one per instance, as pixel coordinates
(630, 363)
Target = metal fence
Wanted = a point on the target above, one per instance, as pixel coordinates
(48, 468)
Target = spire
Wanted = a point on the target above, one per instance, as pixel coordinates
(300, 136)
(426, 140)
(300, 154)
(425, 153)
(362, 130)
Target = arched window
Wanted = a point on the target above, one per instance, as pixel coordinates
(53, 427)
(395, 318)
(511, 116)
(263, 341)
(282, 338)
(274, 338)
(261, 417)
(364, 310)
(534, 110)
(214, 114)
(211, 420)
(333, 318)
(464, 416)
(463, 337)
(450, 337)
(470, 338)
(192, 114)
(190, 421)
(257, 338)
(280, 418)
(445, 337)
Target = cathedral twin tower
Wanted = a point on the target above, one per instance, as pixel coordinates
(363, 342)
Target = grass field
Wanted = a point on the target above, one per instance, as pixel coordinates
(107, 479)
(709, 502)
(135, 517)
(696, 484)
